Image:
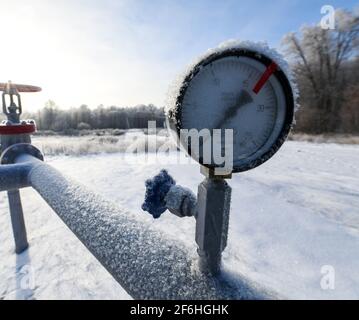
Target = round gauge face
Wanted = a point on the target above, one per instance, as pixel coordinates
(246, 98)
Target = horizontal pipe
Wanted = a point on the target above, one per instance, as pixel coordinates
(146, 263)
(14, 176)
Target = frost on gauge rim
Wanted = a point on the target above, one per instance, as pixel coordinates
(260, 47)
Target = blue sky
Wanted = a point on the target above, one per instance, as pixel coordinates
(126, 52)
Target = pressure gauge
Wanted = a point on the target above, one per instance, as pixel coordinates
(241, 90)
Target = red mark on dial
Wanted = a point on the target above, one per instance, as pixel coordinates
(265, 76)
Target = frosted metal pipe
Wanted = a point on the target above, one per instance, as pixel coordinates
(146, 263)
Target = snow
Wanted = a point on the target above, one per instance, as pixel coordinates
(260, 47)
(290, 217)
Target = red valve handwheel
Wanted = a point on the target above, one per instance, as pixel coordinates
(19, 87)
(18, 128)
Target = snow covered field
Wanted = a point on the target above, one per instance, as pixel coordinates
(290, 217)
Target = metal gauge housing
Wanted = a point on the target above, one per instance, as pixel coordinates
(236, 89)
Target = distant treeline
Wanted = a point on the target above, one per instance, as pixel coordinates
(51, 117)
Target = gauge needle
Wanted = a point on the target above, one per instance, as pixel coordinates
(265, 76)
(243, 99)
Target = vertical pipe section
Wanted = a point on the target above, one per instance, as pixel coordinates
(213, 204)
(20, 175)
(13, 177)
(17, 221)
(147, 264)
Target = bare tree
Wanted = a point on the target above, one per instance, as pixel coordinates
(318, 57)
